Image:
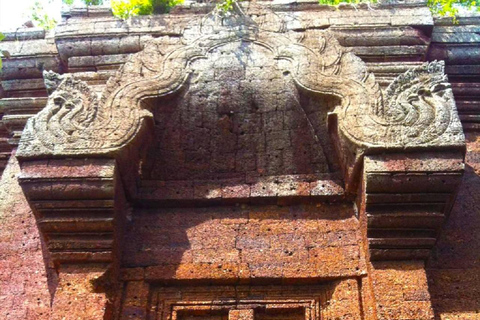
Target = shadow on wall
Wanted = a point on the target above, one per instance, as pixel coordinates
(246, 120)
(453, 270)
(241, 245)
(235, 244)
(449, 282)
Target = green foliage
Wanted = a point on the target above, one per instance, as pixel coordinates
(86, 2)
(451, 7)
(41, 18)
(124, 9)
(337, 2)
(438, 7)
(164, 6)
(128, 8)
(226, 5)
(2, 36)
(93, 2)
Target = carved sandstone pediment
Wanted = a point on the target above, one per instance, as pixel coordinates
(416, 110)
(234, 63)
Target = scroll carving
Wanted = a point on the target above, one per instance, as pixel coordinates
(417, 109)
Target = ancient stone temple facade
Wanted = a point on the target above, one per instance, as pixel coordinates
(277, 161)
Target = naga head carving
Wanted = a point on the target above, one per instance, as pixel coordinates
(421, 105)
(73, 104)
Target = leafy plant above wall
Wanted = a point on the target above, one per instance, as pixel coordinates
(452, 7)
(337, 2)
(449, 8)
(226, 5)
(86, 2)
(2, 36)
(3, 53)
(128, 8)
(41, 17)
(125, 9)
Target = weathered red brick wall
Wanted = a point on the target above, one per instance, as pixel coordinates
(239, 244)
(453, 270)
(27, 281)
(401, 290)
(226, 126)
(450, 279)
(82, 293)
(244, 243)
(30, 287)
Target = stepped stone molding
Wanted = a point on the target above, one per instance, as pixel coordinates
(407, 199)
(77, 205)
